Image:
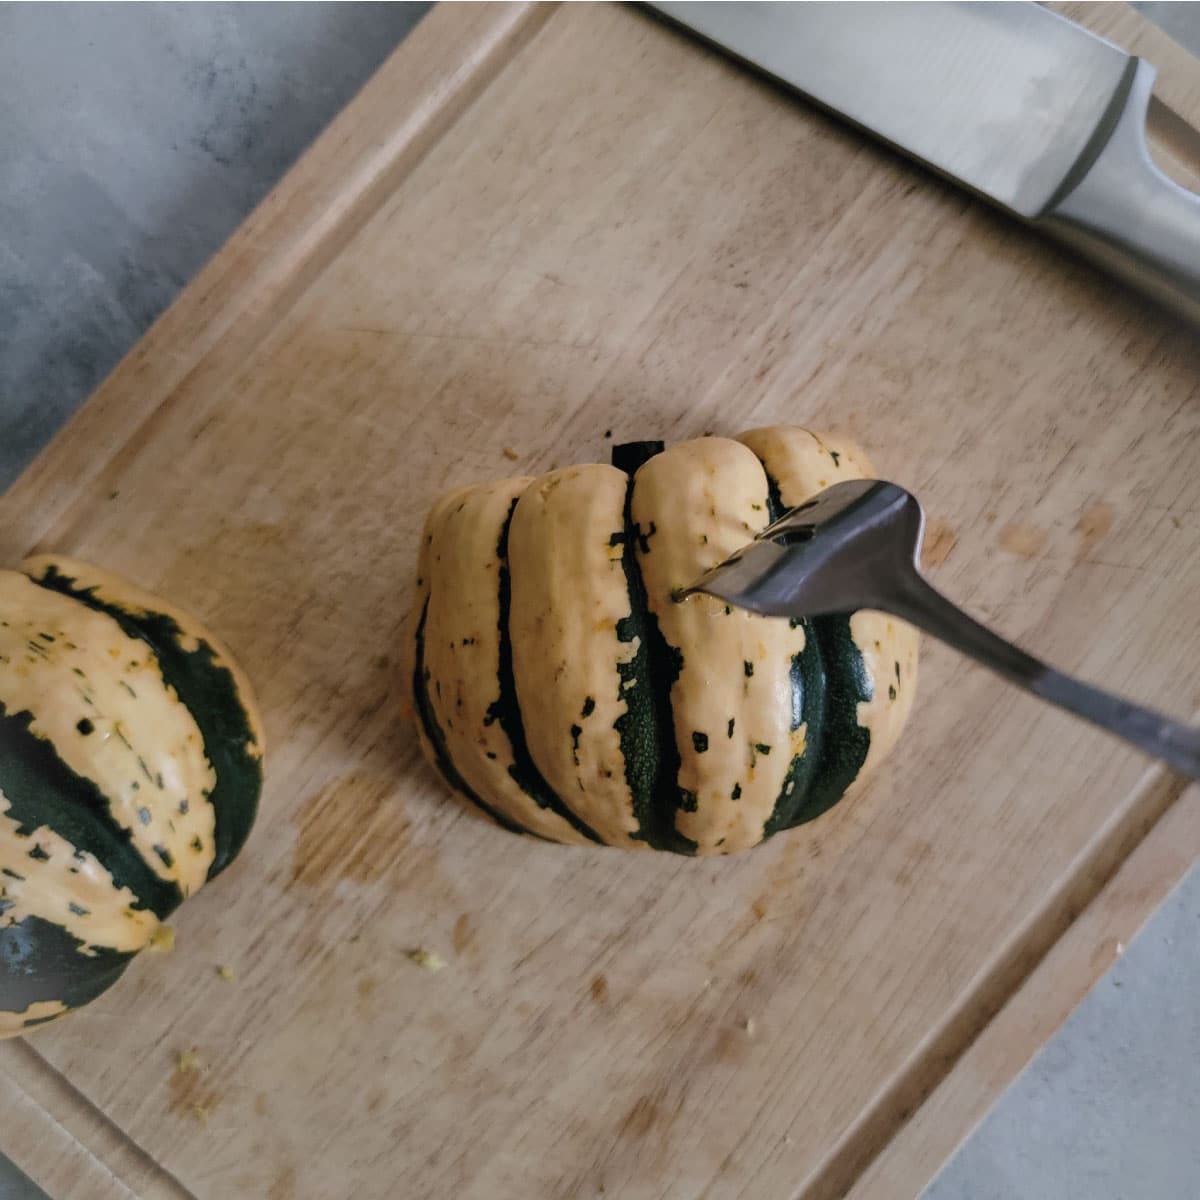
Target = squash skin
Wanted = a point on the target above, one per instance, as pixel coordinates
(130, 772)
(690, 727)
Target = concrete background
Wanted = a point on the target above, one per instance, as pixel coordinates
(133, 139)
(1110, 1108)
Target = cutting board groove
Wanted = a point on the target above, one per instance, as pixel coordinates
(1012, 964)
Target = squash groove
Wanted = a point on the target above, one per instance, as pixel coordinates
(210, 693)
(844, 748)
(433, 731)
(836, 745)
(507, 711)
(646, 729)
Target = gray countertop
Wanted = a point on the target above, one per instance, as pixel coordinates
(1110, 1108)
(133, 140)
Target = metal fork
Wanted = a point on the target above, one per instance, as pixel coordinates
(858, 545)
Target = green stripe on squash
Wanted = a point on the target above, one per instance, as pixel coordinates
(42, 790)
(507, 712)
(41, 961)
(646, 730)
(209, 692)
(437, 739)
(828, 682)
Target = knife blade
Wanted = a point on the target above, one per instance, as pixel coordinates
(1011, 101)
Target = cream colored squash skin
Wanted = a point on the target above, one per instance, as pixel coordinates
(130, 770)
(558, 684)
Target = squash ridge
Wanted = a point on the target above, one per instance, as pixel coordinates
(433, 731)
(209, 692)
(647, 728)
(507, 710)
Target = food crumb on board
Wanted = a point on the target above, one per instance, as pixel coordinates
(162, 940)
(187, 1060)
(429, 960)
(1120, 949)
(227, 973)
(1176, 522)
(749, 1026)
(200, 1112)
(510, 454)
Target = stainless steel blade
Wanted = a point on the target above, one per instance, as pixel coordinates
(1008, 99)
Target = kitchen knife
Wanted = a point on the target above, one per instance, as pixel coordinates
(1019, 105)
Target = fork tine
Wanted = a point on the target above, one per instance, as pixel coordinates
(738, 579)
(821, 557)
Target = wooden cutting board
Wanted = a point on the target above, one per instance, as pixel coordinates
(538, 224)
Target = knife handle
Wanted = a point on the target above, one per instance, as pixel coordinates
(1130, 217)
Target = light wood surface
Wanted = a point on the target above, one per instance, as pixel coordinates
(1041, 1004)
(71, 1149)
(535, 225)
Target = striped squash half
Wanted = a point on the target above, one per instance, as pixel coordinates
(557, 684)
(130, 771)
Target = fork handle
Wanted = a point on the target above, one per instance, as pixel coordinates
(921, 604)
